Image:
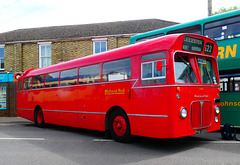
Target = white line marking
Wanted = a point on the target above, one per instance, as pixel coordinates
(223, 142)
(24, 139)
(103, 140)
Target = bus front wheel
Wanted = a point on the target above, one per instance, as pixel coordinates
(119, 126)
(38, 118)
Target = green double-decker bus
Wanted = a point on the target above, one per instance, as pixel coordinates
(225, 30)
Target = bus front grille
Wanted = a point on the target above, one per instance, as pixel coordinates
(201, 114)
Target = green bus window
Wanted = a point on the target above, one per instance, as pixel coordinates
(224, 84)
(223, 29)
(150, 37)
(193, 29)
(236, 84)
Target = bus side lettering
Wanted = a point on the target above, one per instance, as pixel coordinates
(230, 104)
(229, 50)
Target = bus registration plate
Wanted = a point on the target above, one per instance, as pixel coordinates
(201, 131)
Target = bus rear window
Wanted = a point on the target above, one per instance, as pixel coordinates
(52, 79)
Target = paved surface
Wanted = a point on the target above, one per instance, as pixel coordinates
(22, 143)
(12, 120)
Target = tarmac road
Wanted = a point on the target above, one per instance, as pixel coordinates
(22, 143)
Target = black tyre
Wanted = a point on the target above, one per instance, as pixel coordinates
(38, 118)
(119, 127)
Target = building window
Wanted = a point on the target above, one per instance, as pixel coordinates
(1, 57)
(44, 54)
(99, 45)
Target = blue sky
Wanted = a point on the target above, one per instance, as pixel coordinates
(19, 14)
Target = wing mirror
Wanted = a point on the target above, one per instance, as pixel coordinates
(159, 66)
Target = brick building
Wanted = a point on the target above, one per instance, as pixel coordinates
(38, 47)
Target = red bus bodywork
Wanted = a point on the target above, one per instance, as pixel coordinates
(152, 110)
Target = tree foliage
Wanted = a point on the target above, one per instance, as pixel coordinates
(224, 10)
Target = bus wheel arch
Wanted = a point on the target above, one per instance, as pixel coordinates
(117, 124)
(38, 117)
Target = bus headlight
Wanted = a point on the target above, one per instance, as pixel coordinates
(183, 113)
(216, 119)
(217, 109)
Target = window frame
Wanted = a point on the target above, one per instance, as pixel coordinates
(153, 69)
(96, 41)
(41, 44)
(3, 47)
(192, 61)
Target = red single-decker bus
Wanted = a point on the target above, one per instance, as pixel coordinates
(166, 87)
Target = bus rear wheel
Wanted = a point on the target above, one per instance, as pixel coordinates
(119, 127)
(38, 118)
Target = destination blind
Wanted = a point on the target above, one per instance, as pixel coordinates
(193, 44)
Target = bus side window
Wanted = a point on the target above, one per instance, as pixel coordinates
(224, 84)
(223, 29)
(117, 70)
(68, 77)
(89, 74)
(150, 37)
(27, 83)
(150, 72)
(20, 85)
(196, 29)
(38, 81)
(52, 79)
(236, 84)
